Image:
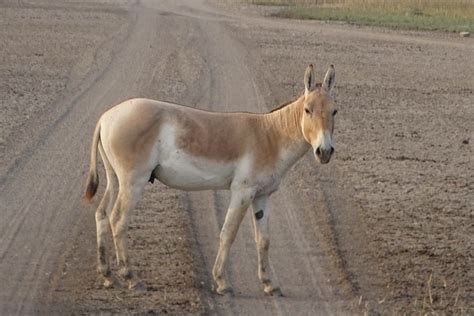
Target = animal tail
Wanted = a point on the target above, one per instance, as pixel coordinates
(93, 177)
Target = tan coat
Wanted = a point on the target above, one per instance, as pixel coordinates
(190, 149)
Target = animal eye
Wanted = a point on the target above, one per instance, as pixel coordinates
(307, 111)
(334, 112)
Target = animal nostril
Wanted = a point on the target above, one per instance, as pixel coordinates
(318, 151)
(332, 150)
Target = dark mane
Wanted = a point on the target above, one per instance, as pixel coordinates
(281, 106)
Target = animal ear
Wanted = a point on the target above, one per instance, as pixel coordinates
(309, 79)
(329, 79)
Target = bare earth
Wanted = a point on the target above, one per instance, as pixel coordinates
(386, 227)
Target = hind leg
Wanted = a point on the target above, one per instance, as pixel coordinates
(102, 225)
(102, 222)
(130, 189)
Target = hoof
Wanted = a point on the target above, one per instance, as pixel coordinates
(112, 282)
(271, 291)
(137, 286)
(224, 290)
(108, 284)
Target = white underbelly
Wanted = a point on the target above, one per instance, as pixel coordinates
(181, 171)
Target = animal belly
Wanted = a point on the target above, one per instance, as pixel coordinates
(188, 173)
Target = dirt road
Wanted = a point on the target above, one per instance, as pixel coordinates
(324, 224)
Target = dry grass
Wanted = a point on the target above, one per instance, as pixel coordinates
(438, 298)
(459, 8)
(453, 15)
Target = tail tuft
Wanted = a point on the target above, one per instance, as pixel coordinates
(93, 178)
(92, 185)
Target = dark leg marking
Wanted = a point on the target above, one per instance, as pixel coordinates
(259, 214)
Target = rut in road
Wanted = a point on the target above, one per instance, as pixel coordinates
(198, 54)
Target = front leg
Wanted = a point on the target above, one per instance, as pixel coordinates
(262, 239)
(239, 203)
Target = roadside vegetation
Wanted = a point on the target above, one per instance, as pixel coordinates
(445, 15)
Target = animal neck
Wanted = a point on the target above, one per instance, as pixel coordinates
(286, 123)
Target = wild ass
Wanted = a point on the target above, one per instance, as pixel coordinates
(190, 149)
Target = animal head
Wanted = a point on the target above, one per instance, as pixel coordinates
(319, 110)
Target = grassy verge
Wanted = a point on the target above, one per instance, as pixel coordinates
(269, 2)
(380, 18)
(453, 15)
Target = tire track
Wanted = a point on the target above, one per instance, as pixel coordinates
(40, 201)
(233, 87)
(212, 69)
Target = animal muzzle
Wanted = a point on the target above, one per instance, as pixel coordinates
(323, 154)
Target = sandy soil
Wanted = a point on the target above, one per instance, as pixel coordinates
(386, 227)
(56, 80)
(47, 48)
